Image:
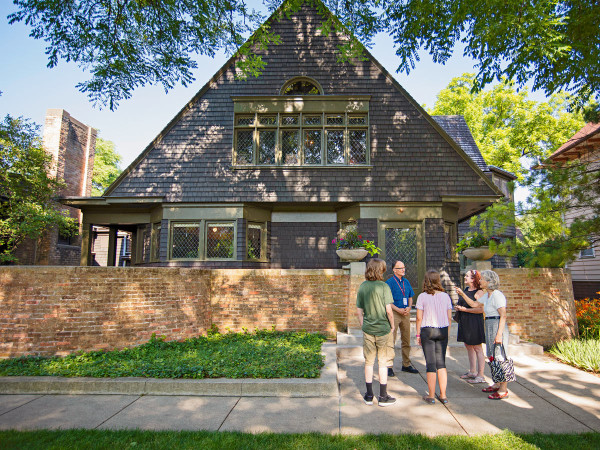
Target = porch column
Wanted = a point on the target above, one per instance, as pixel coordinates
(112, 246)
(86, 244)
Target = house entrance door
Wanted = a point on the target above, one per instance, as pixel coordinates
(403, 241)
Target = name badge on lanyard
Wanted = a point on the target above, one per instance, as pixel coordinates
(400, 285)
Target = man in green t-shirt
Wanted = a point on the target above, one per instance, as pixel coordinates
(374, 308)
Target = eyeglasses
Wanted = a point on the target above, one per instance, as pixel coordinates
(399, 268)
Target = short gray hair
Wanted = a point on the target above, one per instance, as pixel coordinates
(492, 279)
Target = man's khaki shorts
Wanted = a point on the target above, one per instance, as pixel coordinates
(380, 346)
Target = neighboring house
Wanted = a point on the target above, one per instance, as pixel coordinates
(262, 173)
(585, 269)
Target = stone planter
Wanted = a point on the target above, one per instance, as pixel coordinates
(478, 253)
(351, 254)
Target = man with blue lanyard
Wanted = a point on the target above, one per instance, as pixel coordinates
(402, 293)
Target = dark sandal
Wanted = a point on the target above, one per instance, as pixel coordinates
(498, 396)
(429, 400)
(443, 401)
(490, 389)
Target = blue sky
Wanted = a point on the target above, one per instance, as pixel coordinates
(29, 88)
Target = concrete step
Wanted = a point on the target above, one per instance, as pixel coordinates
(350, 344)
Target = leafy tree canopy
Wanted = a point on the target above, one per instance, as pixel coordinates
(27, 208)
(506, 124)
(106, 166)
(124, 44)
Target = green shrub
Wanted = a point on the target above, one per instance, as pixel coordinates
(582, 353)
(261, 354)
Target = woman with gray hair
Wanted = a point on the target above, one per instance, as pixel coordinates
(496, 331)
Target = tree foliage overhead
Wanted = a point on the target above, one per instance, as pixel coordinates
(507, 124)
(124, 44)
(27, 208)
(106, 166)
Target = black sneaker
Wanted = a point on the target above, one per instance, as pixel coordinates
(391, 372)
(386, 401)
(368, 399)
(409, 369)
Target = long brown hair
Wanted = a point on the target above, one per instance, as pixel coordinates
(432, 282)
(375, 269)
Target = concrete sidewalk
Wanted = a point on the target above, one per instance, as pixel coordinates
(548, 397)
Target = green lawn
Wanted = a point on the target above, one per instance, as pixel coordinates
(261, 354)
(205, 440)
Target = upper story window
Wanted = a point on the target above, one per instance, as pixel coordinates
(301, 131)
(301, 86)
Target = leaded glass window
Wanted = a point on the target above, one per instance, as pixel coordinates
(292, 139)
(255, 240)
(358, 146)
(301, 87)
(155, 252)
(312, 147)
(335, 147)
(290, 146)
(244, 146)
(185, 241)
(266, 146)
(219, 240)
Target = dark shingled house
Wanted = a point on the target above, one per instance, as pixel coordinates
(262, 173)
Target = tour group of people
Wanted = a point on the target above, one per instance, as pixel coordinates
(383, 307)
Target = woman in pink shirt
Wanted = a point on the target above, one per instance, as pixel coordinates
(434, 315)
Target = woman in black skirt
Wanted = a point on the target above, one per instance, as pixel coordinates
(470, 327)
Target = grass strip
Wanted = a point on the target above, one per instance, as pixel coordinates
(206, 440)
(260, 354)
(581, 353)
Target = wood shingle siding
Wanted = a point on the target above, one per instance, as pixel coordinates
(411, 160)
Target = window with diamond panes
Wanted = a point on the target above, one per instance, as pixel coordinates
(312, 146)
(335, 146)
(290, 147)
(266, 146)
(244, 146)
(401, 245)
(358, 146)
(219, 240)
(185, 241)
(155, 252)
(254, 241)
(301, 139)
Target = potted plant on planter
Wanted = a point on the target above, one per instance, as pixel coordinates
(477, 247)
(350, 245)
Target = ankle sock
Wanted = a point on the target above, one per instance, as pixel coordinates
(369, 388)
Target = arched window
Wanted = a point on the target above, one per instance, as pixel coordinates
(301, 86)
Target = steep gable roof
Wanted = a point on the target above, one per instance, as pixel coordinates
(150, 163)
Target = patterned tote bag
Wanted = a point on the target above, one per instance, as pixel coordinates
(502, 367)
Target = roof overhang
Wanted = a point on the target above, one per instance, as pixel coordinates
(134, 202)
(468, 206)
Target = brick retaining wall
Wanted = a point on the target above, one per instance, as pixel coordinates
(540, 306)
(57, 310)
